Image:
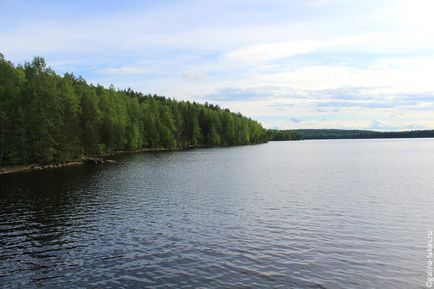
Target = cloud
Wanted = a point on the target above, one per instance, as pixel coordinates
(127, 70)
(195, 76)
(378, 42)
(238, 94)
(272, 51)
(318, 2)
(384, 126)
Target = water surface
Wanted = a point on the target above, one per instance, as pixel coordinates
(310, 214)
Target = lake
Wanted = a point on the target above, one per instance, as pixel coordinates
(308, 214)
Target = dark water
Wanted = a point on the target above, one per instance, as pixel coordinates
(311, 214)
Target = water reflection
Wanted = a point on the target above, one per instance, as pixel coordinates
(324, 214)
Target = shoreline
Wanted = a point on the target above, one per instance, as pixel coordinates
(36, 167)
(93, 159)
(90, 160)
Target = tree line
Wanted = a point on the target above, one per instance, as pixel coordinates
(46, 118)
(281, 135)
(360, 134)
(299, 134)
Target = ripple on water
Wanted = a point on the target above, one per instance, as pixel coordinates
(280, 215)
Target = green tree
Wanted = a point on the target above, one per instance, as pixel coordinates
(48, 118)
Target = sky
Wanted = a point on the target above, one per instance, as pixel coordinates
(359, 64)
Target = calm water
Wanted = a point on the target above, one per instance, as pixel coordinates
(311, 214)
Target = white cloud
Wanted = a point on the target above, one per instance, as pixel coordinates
(399, 75)
(192, 76)
(127, 70)
(318, 2)
(273, 51)
(380, 43)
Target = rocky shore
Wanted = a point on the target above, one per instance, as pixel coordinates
(38, 167)
(100, 159)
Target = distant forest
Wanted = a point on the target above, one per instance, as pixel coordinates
(278, 135)
(46, 118)
(344, 134)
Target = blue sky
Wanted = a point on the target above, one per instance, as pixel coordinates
(290, 64)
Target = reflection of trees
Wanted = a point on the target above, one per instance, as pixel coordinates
(40, 215)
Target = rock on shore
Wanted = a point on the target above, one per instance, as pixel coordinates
(37, 167)
(97, 161)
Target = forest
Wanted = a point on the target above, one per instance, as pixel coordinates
(300, 134)
(360, 134)
(48, 118)
(281, 135)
